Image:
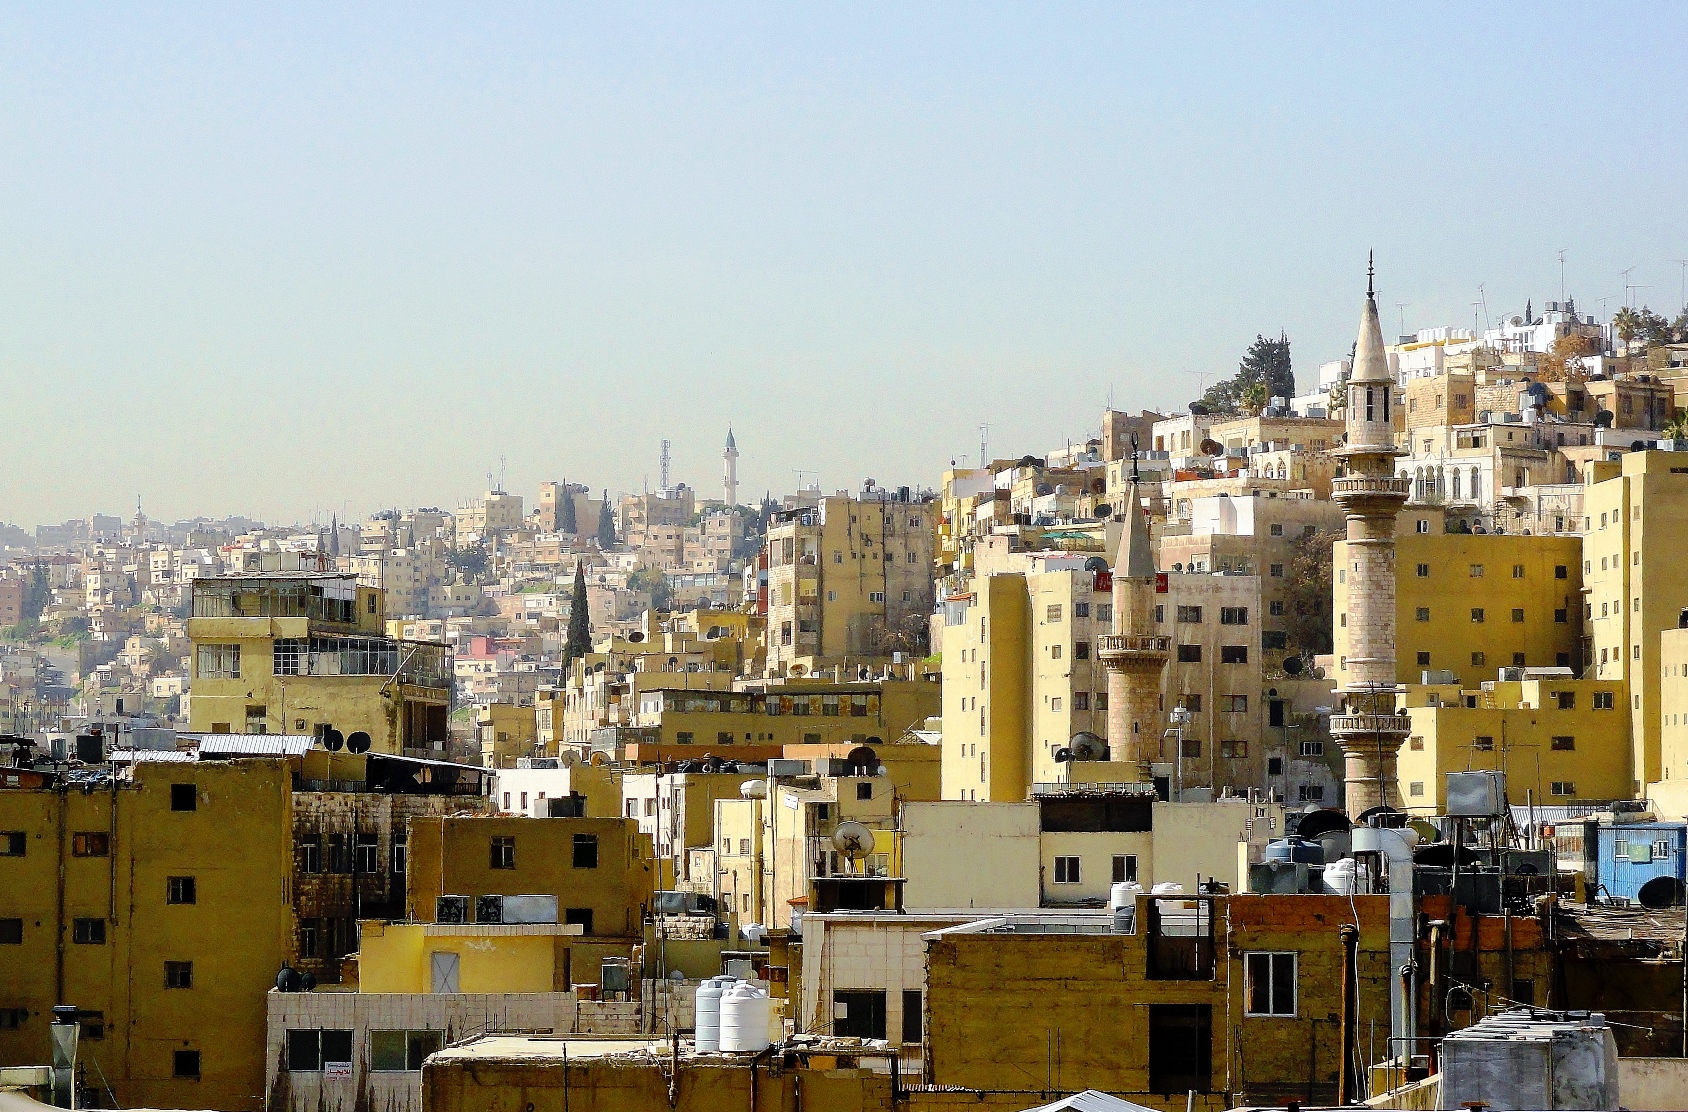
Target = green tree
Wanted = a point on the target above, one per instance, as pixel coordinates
(1307, 621)
(566, 522)
(652, 580)
(471, 561)
(1265, 372)
(1642, 324)
(579, 641)
(606, 524)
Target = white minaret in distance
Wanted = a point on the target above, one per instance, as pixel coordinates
(1367, 725)
(729, 483)
(1134, 655)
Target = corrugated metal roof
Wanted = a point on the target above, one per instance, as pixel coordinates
(251, 745)
(152, 756)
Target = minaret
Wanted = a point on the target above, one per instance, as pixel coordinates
(730, 483)
(1367, 726)
(1134, 655)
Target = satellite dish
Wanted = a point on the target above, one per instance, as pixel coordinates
(1660, 892)
(1063, 755)
(1096, 563)
(853, 840)
(357, 742)
(864, 673)
(1086, 746)
(1104, 510)
(1516, 321)
(635, 637)
(567, 760)
(1292, 665)
(333, 740)
(798, 669)
(1318, 673)
(1212, 447)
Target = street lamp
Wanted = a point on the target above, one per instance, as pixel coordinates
(1179, 716)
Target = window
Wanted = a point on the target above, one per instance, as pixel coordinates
(1312, 749)
(1233, 654)
(1191, 747)
(1563, 787)
(1052, 614)
(1559, 571)
(92, 1024)
(339, 858)
(1476, 571)
(1233, 615)
(1066, 870)
(310, 1050)
(1477, 613)
(858, 1013)
(1517, 571)
(1233, 750)
(13, 843)
(93, 843)
(1565, 700)
(178, 974)
(582, 917)
(1189, 654)
(1423, 614)
(184, 797)
(1180, 1048)
(1081, 610)
(88, 932)
(1311, 793)
(401, 1051)
(1191, 702)
(1561, 615)
(1421, 526)
(1424, 571)
(310, 853)
(1190, 614)
(743, 847)
(218, 662)
(1416, 788)
(11, 932)
(503, 853)
(1234, 704)
(1602, 700)
(1483, 743)
(1081, 650)
(1125, 868)
(911, 1015)
(181, 890)
(308, 933)
(1517, 614)
(1564, 744)
(366, 854)
(864, 790)
(1271, 983)
(1277, 530)
(1276, 608)
(185, 1064)
(1055, 652)
(1423, 659)
(586, 851)
(1081, 700)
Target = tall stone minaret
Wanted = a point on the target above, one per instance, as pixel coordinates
(1367, 725)
(1134, 655)
(729, 483)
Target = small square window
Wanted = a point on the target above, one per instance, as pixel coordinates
(1423, 571)
(502, 853)
(186, 1064)
(184, 797)
(1066, 870)
(88, 932)
(181, 890)
(178, 974)
(1423, 660)
(1423, 614)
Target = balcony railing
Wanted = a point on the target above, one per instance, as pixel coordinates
(1111, 644)
(1365, 485)
(1371, 724)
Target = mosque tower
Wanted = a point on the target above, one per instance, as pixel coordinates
(1134, 654)
(729, 483)
(1367, 725)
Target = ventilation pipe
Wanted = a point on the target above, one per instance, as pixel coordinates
(1348, 1089)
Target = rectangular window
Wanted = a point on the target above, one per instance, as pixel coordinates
(911, 1015)
(1276, 608)
(1125, 868)
(1476, 571)
(858, 1013)
(181, 890)
(502, 853)
(88, 932)
(1517, 571)
(1561, 616)
(1416, 788)
(1423, 571)
(310, 853)
(218, 662)
(1477, 613)
(1104, 612)
(402, 1051)
(178, 974)
(1602, 700)
(582, 917)
(11, 932)
(1052, 614)
(1559, 571)
(13, 843)
(1189, 654)
(91, 843)
(1192, 747)
(1312, 749)
(1234, 704)
(1423, 614)
(1055, 652)
(1191, 702)
(185, 1064)
(1081, 650)
(1563, 787)
(1233, 654)
(1066, 870)
(1233, 750)
(1081, 610)
(1233, 615)
(1271, 983)
(1517, 614)
(1483, 743)
(1191, 615)
(1564, 744)
(184, 797)
(366, 854)
(1081, 700)
(586, 851)
(1565, 700)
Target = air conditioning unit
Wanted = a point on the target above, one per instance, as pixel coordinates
(489, 909)
(451, 909)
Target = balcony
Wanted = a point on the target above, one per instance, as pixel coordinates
(1120, 645)
(1368, 486)
(1371, 724)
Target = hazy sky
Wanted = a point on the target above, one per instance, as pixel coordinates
(289, 260)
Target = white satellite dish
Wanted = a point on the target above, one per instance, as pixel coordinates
(853, 840)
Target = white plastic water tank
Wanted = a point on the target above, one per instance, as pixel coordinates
(1339, 876)
(1123, 894)
(708, 1020)
(745, 1012)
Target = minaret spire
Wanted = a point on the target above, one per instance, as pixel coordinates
(1371, 269)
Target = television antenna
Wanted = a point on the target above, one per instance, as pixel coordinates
(984, 445)
(1683, 263)
(1562, 275)
(1401, 307)
(663, 462)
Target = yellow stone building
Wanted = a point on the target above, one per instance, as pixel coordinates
(1472, 603)
(159, 906)
(1557, 740)
(1635, 531)
(301, 653)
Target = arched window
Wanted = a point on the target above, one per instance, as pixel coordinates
(1455, 491)
(1476, 485)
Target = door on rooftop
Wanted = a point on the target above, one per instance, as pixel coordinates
(1180, 1048)
(445, 971)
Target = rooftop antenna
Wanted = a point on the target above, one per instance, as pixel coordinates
(1683, 263)
(503, 473)
(1401, 307)
(802, 471)
(1483, 299)
(1627, 286)
(984, 445)
(663, 462)
(1561, 275)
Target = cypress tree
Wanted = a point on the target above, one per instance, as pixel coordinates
(579, 641)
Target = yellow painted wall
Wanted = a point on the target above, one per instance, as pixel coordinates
(397, 957)
(237, 846)
(987, 695)
(1433, 610)
(959, 854)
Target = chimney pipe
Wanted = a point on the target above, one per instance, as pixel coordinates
(1348, 1087)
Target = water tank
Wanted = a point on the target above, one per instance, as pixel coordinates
(745, 1012)
(1123, 894)
(1298, 850)
(1339, 876)
(708, 1006)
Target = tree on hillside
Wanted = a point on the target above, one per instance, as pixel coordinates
(606, 524)
(1308, 618)
(579, 641)
(566, 522)
(1564, 359)
(1264, 373)
(652, 580)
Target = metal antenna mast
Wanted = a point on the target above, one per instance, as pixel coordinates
(663, 462)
